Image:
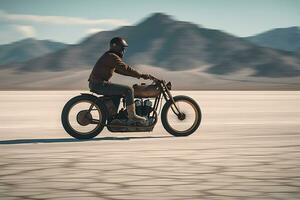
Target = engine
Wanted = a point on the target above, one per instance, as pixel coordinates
(143, 108)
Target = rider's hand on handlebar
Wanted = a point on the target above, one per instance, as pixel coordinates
(146, 76)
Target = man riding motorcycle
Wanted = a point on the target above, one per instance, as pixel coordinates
(110, 62)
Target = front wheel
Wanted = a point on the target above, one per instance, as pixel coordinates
(186, 121)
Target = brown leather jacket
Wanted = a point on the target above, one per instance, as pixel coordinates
(109, 63)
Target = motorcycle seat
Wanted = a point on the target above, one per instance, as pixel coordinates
(98, 93)
(94, 91)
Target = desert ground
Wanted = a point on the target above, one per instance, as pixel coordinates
(247, 147)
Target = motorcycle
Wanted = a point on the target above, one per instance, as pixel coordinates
(85, 116)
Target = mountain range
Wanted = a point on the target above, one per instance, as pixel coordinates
(211, 58)
(27, 49)
(287, 39)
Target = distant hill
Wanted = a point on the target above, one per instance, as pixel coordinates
(27, 49)
(174, 45)
(206, 58)
(287, 39)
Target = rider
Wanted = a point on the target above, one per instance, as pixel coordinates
(110, 62)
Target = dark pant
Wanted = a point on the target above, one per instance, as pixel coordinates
(109, 89)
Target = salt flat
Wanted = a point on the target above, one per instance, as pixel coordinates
(247, 147)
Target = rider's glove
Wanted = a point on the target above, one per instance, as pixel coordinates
(145, 76)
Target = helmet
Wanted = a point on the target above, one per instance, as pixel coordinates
(118, 42)
(118, 45)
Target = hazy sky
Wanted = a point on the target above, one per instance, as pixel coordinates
(70, 20)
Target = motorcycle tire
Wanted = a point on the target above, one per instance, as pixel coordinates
(172, 130)
(65, 117)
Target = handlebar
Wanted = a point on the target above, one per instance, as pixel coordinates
(153, 78)
(156, 80)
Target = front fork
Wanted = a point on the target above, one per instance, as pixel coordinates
(168, 97)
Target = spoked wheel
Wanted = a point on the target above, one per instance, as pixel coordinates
(181, 123)
(83, 118)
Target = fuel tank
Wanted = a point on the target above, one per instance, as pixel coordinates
(146, 91)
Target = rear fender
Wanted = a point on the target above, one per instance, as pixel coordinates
(100, 101)
(96, 99)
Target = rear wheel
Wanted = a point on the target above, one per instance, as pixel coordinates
(83, 117)
(184, 123)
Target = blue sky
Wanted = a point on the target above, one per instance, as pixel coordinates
(71, 20)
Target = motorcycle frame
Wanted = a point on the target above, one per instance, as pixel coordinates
(164, 91)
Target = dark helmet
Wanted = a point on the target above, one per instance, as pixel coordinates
(118, 45)
(118, 42)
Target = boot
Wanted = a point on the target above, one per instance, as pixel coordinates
(133, 116)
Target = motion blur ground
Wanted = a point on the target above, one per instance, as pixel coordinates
(247, 147)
